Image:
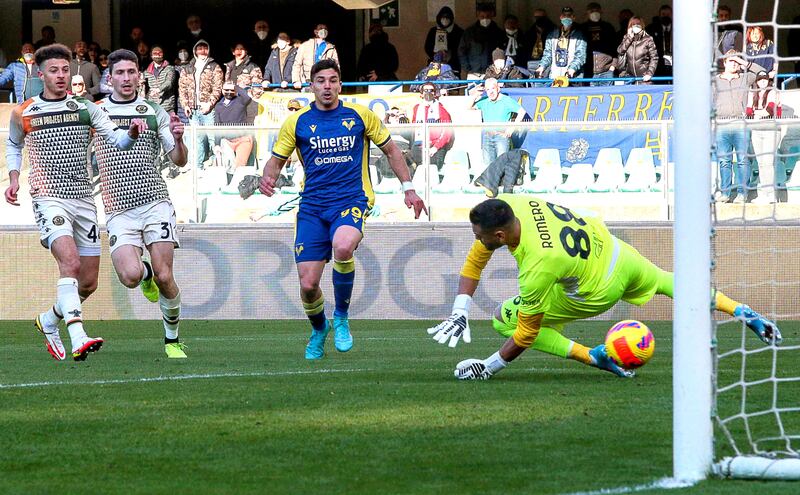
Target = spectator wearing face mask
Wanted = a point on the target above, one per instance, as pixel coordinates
(478, 41)
(564, 50)
(536, 37)
(309, 53)
(255, 91)
(280, 63)
(196, 31)
(503, 68)
(601, 46)
(260, 43)
(378, 60)
(160, 80)
(199, 89)
(182, 56)
(24, 73)
(637, 54)
(445, 36)
(661, 31)
(515, 44)
(440, 139)
(242, 70)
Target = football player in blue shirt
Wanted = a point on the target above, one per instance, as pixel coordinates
(332, 137)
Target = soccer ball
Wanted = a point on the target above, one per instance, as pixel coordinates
(630, 344)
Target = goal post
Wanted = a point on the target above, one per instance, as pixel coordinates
(692, 353)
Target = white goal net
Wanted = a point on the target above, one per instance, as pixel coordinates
(755, 211)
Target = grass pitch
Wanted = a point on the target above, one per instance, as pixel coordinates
(247, 414)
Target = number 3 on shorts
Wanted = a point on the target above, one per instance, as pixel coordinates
(166, 232)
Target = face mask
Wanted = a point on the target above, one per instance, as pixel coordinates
(262, 35)
(511, 32)
(636, 29)
(594, 16)
(499, 64)
(183, 56)
(158, 60)
(196, 32)
(28, 57)
(282, 44)
(485, 22)
(666, 20)
(322, 34)
(428, 95)
(566, 22)
(445, 21)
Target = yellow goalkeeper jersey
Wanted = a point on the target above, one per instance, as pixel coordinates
(558, 247)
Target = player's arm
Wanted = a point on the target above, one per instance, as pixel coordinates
(398, 164)
(104, 126)
(14, 145)
(457, 325)
(272, 170)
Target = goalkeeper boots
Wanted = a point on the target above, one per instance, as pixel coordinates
(149, 287)
(175, 350)
(316, 343)
(342, 338)
(766, 330)
(602, 361)
(52, 339)
(91, 344)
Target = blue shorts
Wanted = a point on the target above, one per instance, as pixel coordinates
(313, 237)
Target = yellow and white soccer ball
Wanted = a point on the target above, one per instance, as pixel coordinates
(630, 344)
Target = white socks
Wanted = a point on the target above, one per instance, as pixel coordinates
(69, 304)
(171, 311)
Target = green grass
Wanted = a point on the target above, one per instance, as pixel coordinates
(252, 416)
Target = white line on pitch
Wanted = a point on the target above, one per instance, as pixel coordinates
(662, 484)
(179, 377)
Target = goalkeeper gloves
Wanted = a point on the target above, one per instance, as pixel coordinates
(455, 327)
(476, 369)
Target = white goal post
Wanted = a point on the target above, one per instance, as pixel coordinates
(695, 355)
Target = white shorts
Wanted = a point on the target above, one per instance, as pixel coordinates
(76, 218)
(143, 225)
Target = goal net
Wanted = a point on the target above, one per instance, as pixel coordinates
(754, 212)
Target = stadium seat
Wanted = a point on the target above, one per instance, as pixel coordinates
(548, 172)
(609, 170)
(640, 170)
(579, 179)
(666, 175)
(389, 185)
(425, 178)
(455, 172)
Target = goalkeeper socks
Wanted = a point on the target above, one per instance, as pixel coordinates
(171, 315)
(725, 303)
(51, 317)
(69, 304)
(552, 342)
(579, 352)
(666, 281)
(344, 272)
(316, 313)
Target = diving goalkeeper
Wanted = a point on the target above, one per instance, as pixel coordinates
(570, 268)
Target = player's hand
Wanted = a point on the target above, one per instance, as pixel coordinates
(137, 127)
(414, 201)
(266, 185)
(176, 126)
(472, 369)
(11, 193)
(452, 329)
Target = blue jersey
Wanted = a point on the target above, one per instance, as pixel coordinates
(334, 149)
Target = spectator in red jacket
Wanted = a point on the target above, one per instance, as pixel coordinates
(440, 140)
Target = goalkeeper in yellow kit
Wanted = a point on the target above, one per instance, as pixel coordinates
(570, 268)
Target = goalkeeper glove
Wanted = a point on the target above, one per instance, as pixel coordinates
(476, 369)
(456, 326)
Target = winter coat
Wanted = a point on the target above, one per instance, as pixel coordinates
(273, 72)
(380, 56)
(304, 59)
(244, 73)
(161, 89)
(211, 80)
(505, 171)
(90, 73)
(454, 34)
(638, 55)
(576, 57)
(24, 86)
(477, 44)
